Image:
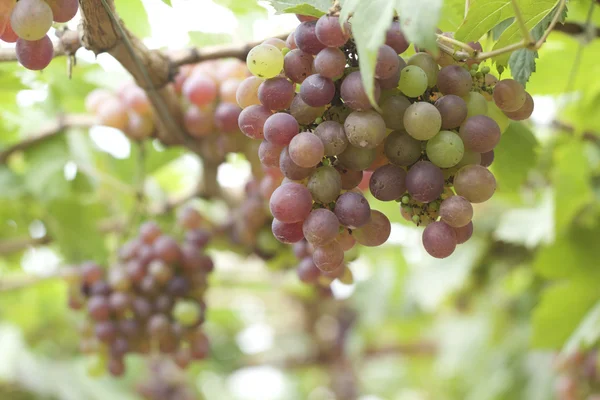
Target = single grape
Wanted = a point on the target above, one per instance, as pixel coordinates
(388, 182)
(142, 308)
(306, 39)
(200, 89)
(280, 129)
(425, 182)
(395, 38)
(287, 233)
(387, 63)
(402, 149)
(524, 112)
(456, 211)
(306, 150)
(35, 55)
(350, 178)
(280, 44)
(509, 95)
(320, 227)
(445, 149)
(352, 210)
(269, 153)
(413, 81)
(393, 109)
(99, 308)
(307, 271)
(187, 312)
(354, 94)
(365, 129)
(332, 136)
(476, 104)
(290, 169)
(330, 62)
(439, 239)
(475, 183)
(167, 249)
(139, 127)
(298, 65)
(454, 79)
(453, 110)
(304, 113)
(226, 117)
(487, 158)
(252, 121)
(325, 185)
(426, 62)
(392, 82)
(228, 90)
(290, 203)
(480, 134)
(464, 233)
(328, 257)
(136, 99)
(290, 42)
(317, 91)
(112, 113)
(31, 19)
(422, 120)
(105, 331)
(149, 231)
(329, 31)
(247, 92)
(357, 159)
(265, 61)
(276, 93)
(375, 232)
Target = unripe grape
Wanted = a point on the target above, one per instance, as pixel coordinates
(31, 19)
(265, 61)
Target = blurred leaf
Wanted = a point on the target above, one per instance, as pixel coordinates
(419, 20)
(313, 8)
(452, 15)
(45, 173)
(167, 2)
(483, 15)
(242, 7)
(134, 15)
(201, 39)
(560, 311)
(514, 157)
(586, 334)
(11, 185)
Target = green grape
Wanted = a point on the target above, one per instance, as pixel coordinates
(422, 120)
(413, 81)
(476, 104)
(497, 115)
(445, 149)
(97, 365)
(265, 61)
(426, 62)
(485, 69)
(187, 312)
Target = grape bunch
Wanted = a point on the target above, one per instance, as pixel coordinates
(150, 300)
(428, 144)
(27, 23)
(579, 378)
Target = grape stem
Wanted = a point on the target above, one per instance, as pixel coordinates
(458, 43)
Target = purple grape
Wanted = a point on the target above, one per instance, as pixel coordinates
(330, 32)
(388, 182)
(280, 128)
(317, 91)
(306, 38)
(290, 169)
(330, 62)
(276, 93)
(425, 181)
(353, 92)
(395, 38)
(287, 232)
(464, 233)
(456, 211)
(252, 121)
(352, 210)
(453, 110)
(480, 134)
(291, 203)
(439, 239)
(298, 65)
(328, 257)
(320, 227)
(375, 232)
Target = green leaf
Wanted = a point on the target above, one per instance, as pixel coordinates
(201, 39)
(483, 15)
(586, 334)
(46, 161)
(515, 156)
(242, 7)
(11, 185)
(571, 177)
(501, 27)
(560, 311)
(134, 15)
(370, 21)
(167, 2)
(313, 8)
(419, 20)
(533, 12)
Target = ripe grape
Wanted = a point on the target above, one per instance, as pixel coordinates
(96, 98)
(439, 239)
(228, 90)
(119, 302)
(226, 117)
(345, 239)
(166, 248)
(413, 81)
(456, 211)
(480, 134)
(252, 121)
(375, 232)
(139, 126)
(9, 35)
(291, 42)
(475, 183)
(31, 19)
(476, 104)
(453, 110)
(464, 233)
(198, 121)
(280, 129)
(320, 227)
(365, 129)
(112, 113)
(298, 65)
(387, 63)
(524, 112)
(330, 62)
(352, 210)
(35, 55)
(445, 149)
(307, 271)
(269, 153)
(357, 159)
(265, 61)
(99, 308)
(304, 113)
(426, 62)
(325, 184)
(425, 181)
(509, 95)
(393, 109)
(149, 232)
(136, 99)
(317, 91)
(306, 39)
(392, 82)
(453, 79)
(422, 120)
(402, 149)
(487, 158)
(105, 331)
(395, 39)
(91, 273)
(200, 90)
(306, 150)
(388, 182)
(287, 232)
(290, 169)
(328, 257)
(350, 178)
(290, 203)
(276, 93)
(329, 31)
(332, 136)
(247, 92)
(354, 94)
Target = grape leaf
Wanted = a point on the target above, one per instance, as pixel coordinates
(560, 310)
(313, 8)
(514, 156)
(134, 14)
(242, 7)
(167, 2)
(482, 17)
(419, 20)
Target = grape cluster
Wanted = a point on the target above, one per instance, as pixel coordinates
(151, 300)
(27, 23)
(165, 382)
(428, 143)
(579, 378)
